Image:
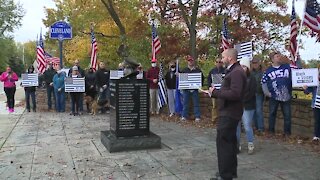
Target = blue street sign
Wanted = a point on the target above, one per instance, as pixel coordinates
(60, 30)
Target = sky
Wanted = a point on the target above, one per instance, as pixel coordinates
(32, 23)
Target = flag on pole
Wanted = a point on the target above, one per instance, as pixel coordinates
(40, 56)
(178, 95)
(94, 49)
(293, 36)
(51, 59)
(162, 92)
(225, 36)
(312, 16)
(156, 44)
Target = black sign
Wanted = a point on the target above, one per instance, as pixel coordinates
(129, 102)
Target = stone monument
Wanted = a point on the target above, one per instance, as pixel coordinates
(129, 113)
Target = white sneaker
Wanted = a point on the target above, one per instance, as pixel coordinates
(315, 138)
(197, 120)
(183, 119)
(171, 114)
(250, 148)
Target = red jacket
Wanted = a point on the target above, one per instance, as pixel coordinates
(153, 73)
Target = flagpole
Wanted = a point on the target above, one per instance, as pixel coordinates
(300, 30)
(153, 49)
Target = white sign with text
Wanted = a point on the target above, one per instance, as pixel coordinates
(305, 77)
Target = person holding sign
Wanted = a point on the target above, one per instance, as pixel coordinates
(9, 78)
(30, 91)
(277, 84)
(58, 86)
(75, 96)
(191, 93)
(316, 108)
(216, 71)
(230, 106)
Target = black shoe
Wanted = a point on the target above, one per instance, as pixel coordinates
(28, 110)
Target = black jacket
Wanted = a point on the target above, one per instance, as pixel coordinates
(171, 79)
(90, 79)
(48, 75)
(102, 77)
(249, 100)
(230, 96)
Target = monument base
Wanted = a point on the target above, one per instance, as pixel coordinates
(117, 144)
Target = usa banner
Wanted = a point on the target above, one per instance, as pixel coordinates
(29, 80)
(73, 84)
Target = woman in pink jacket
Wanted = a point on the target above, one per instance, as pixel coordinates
(9, 78)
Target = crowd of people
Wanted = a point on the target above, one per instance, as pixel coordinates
(238, 100)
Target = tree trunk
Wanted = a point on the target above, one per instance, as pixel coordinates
(191, 24)
(123, 50)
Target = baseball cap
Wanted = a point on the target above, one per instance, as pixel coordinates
(190, 58)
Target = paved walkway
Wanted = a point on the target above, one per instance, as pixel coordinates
(59, 146)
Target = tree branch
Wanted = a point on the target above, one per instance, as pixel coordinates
(114, 16)
(184, 13)
(101, 34)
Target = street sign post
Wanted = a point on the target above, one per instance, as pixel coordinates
(60, 30)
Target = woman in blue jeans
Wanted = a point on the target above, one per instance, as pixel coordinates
(249, 103)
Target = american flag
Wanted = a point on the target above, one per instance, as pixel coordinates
(94, 49)
(74, 84)
(156, 44)
(30, 79)
(40, 56)
(225, 36)
(162, 92)
(317, 99)
(216, 80)
(293, 36)
(50, 59)
(190, 80)
(312, 16)
(244, 50)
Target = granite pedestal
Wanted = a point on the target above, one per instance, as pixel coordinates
(117, 144)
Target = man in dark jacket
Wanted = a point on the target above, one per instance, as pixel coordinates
(230, 108)
(216, 71)
(102, 84)
(48, 78)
